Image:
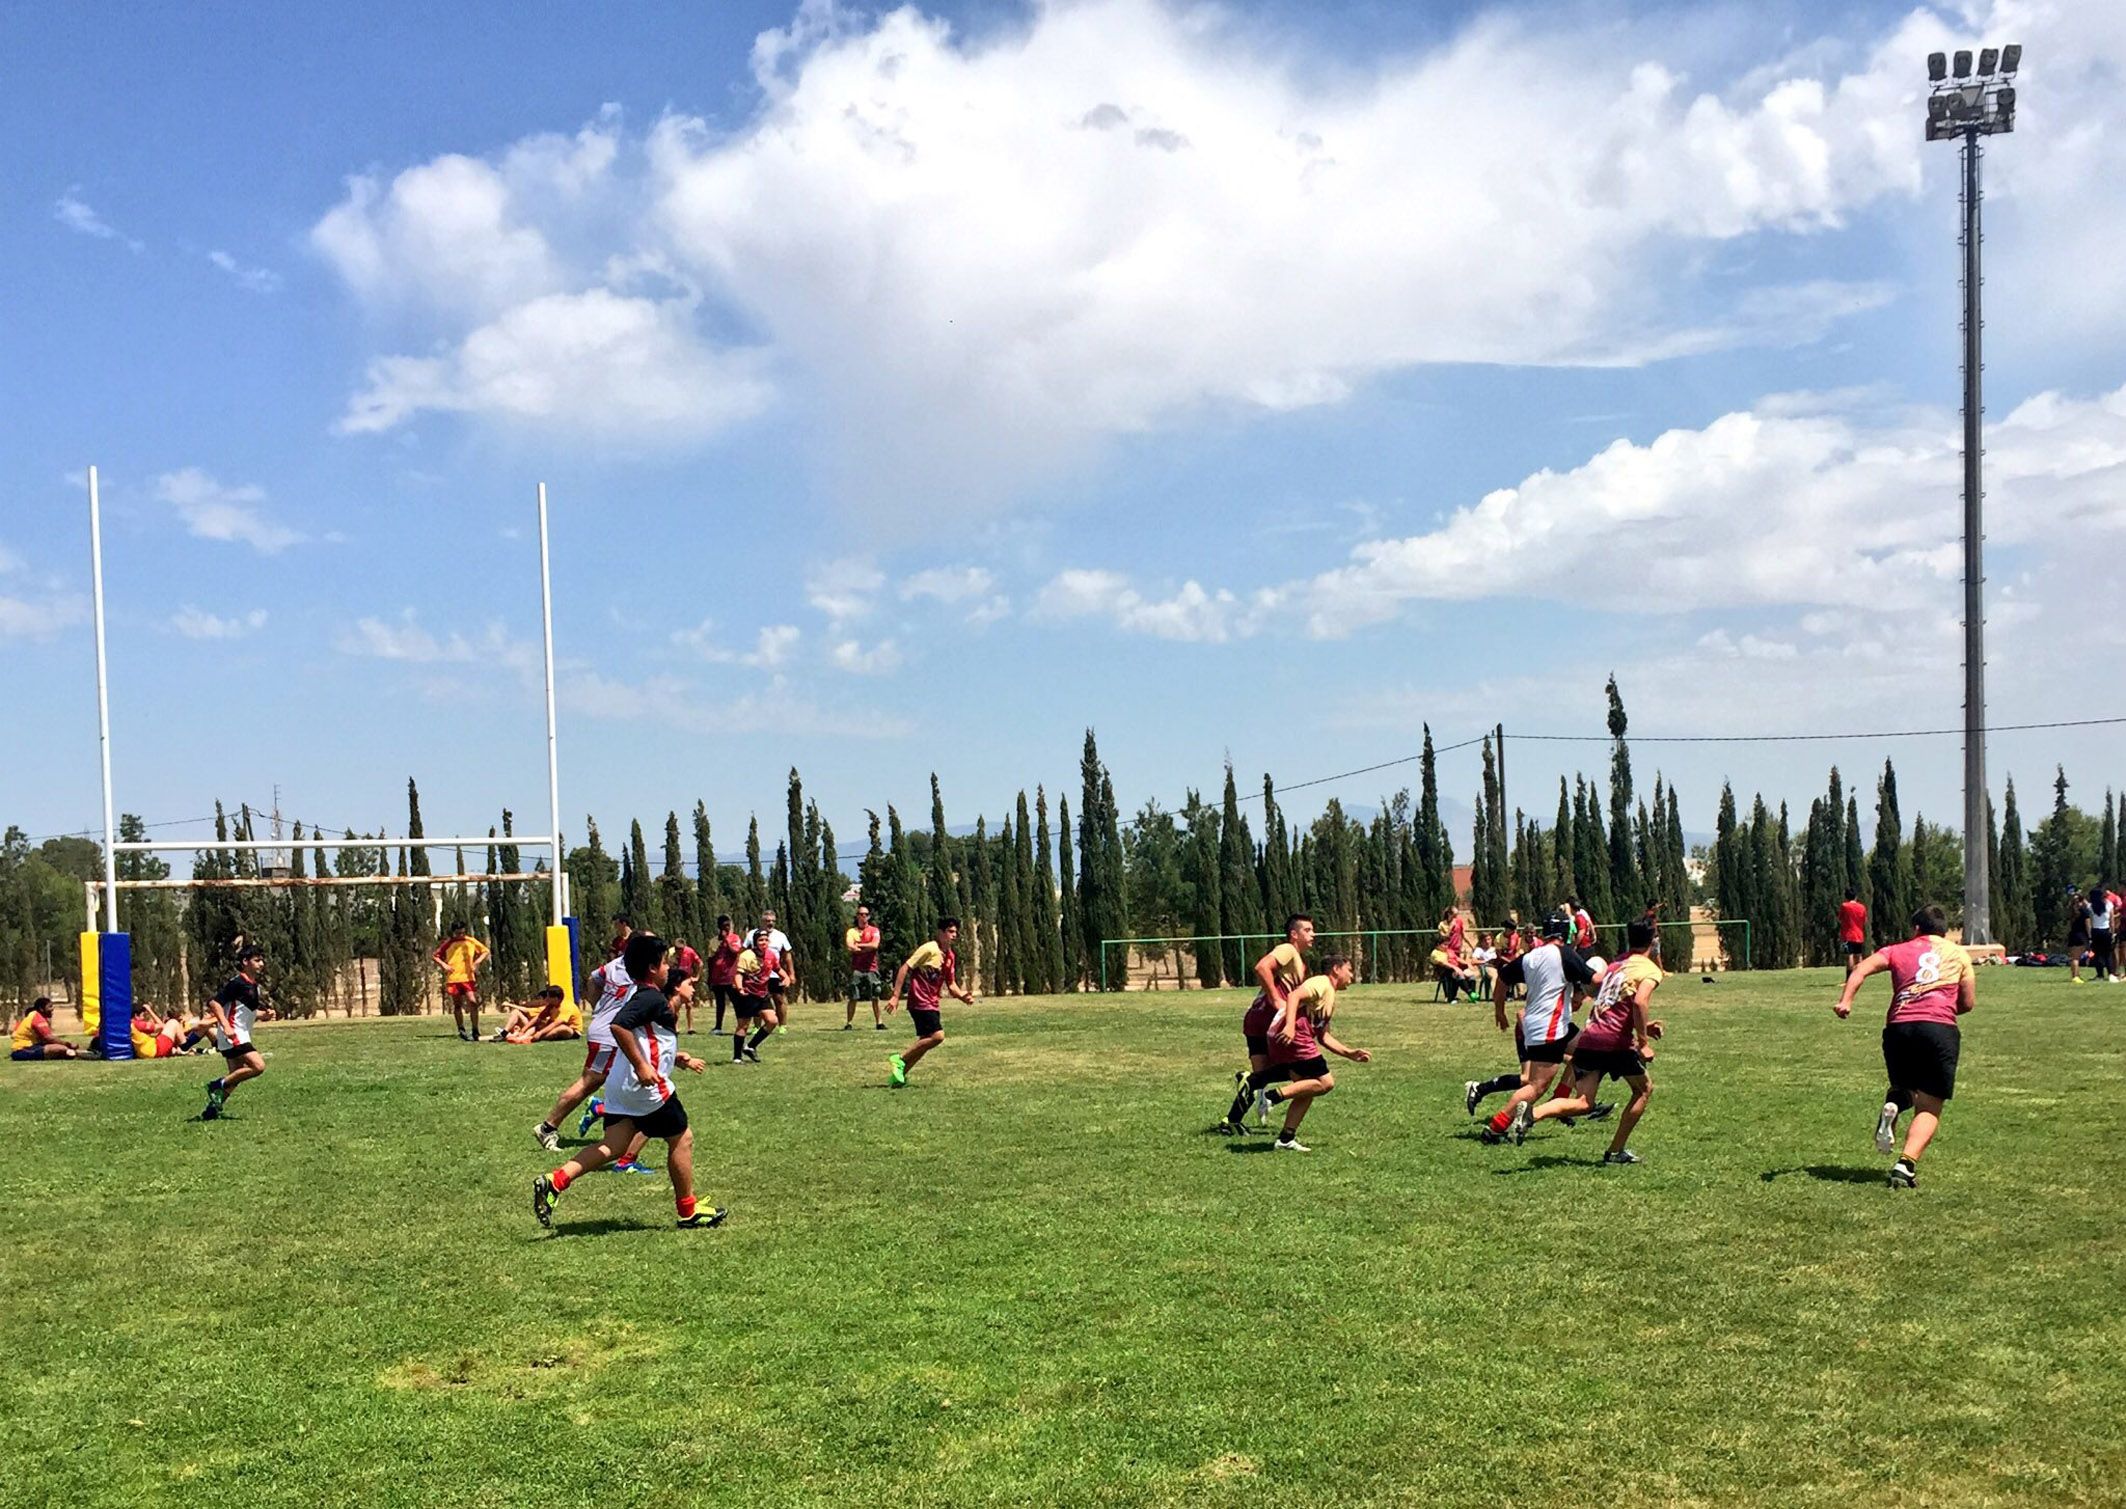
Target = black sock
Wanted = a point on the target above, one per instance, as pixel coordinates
(1285, 1135)
(738, 1044)
(1241, 1101)
(760, 1035)
(1276, 1096)
(1502, 1084)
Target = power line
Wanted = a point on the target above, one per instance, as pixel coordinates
(1896, 733)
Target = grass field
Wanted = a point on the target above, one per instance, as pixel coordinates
(1036, 1277)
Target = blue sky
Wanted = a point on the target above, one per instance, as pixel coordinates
(916, 388)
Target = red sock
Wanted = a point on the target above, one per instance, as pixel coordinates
(1501, 1120)
(686, 1207)
(559, 1179)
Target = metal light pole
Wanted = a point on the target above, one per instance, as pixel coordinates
(1962, 107)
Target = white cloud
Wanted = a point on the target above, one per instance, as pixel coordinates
(197, 623)
(212, 511)
(844, 589)
(772, 647)
(73, 212)
(598, 363)
(404, 639)
(1191, 613)
(948, 584)
(853, 657)
(253, 279)
(1788, 505)
(35, 612)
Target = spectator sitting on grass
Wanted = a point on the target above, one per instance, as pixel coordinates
(34, 1038)
(546, 1018)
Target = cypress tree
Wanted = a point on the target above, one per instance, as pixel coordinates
(1097, 907)
(1563, 883)
(1203, 885)
(708, 886)
(1072, 920)
(421, 908)
(986, 924)
(1435, 849)
(756, 884)
(1729, 884)
(2013, 923)
(909, 922)
(2107, 849)
(1239, 894)
(1280, 887)
(828, 919)
(944, 885)
(1856, 873)
(1022, 876)
(1889, 863)
(1626, 889)
(1048, 937)
(1011, 896)
(1676, 886)
(638, 892)
(1114, 883)
(675, 893)
(873, 876)
(2052, 865)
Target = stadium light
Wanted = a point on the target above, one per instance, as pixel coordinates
(1937, 66)
(1963, 109)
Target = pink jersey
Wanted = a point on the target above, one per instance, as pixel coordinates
(1926, 976)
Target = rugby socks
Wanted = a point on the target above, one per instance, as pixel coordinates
(1274, 1096)
(760, 1035)
(738, 1045)
(559, 1180)
(686, 1207)
(1499, 1121)
(1504, 1084)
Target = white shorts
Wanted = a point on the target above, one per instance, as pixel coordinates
(598, 1058)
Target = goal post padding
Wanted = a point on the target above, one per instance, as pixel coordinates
(107, 992)
(564, 959)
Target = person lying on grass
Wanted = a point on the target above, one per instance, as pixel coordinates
(34, 1038)
(640, 1101)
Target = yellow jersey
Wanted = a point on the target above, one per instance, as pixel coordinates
(461, 959)
(26, 1033)
(1287, 966)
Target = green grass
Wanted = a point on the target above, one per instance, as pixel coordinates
(1034, 1277)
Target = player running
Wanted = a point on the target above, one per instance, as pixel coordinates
(641, 1102)
(1297, 1038)
(1617, 1043)
(611, 987)
(862, 943)
(756, 968)
(782, 974)
(460, 956)
(1931, 985)
(1278, 972)
(929, 974)
(235, 1011)
(1556, 976)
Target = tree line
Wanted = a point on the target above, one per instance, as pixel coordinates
(1040, 890)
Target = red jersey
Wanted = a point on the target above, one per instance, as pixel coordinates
(723, 964)
(754, 981)
(1926, 976)
(863, 950)
(1852, 922)
(1582, 931)
(689, 960)
(931, 968)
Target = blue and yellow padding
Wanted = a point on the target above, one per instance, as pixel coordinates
(564, 960)
(107, 992)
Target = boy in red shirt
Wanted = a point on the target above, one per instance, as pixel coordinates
(929, 974)
(723, 968)
(862, 943)
(1853, 929)
(1931, 985)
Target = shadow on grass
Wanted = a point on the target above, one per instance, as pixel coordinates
(605, 1226)
(1831, 1172)
(1266, 1145)
(1543, 1161)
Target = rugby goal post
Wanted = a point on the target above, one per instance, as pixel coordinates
(107, 953)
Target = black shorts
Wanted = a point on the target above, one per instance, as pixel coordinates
(668, 1120)
(2078, 937)
(1854, 948)
(749, 1007)
(236, 1055)
(26, 1055)
(927, 1019)
(1610, 1063)
(1921, 1056)
(1258, 1045)
(2101, 943)
(1306, 1068)
(775, 991)
(1552, 1052)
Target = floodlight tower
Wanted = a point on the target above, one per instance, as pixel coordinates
(1963, 106)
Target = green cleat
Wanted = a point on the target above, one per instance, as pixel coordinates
(544, 1198)
(897, 1072)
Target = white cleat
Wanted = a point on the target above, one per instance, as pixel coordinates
(1886, 1128)
(1291, 1145)
(1262, 1108)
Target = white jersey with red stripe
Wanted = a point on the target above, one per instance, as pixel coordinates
(613, 987)
(1550, 971)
